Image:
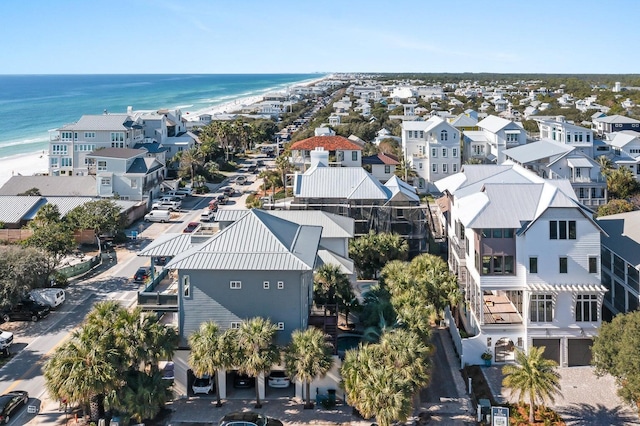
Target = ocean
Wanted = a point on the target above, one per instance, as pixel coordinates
(31, 105)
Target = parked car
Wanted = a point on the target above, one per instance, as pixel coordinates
(278, 379)
(222, 199)
(6, 339)
(10, 402)
(207, 215)
(228, 191)
(142, 274)
(167, 198)
(168, 370)
(175, 193)
(243, 381)
(248, 418)
(166, 205)
(186, 191)
(202, 385)
(158, 216)
(52, 297)
(191, 227)
(253, 168)
(25, 311)
(241, 180)
(213, 205)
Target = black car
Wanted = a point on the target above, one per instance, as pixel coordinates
(25, 311)
(141, 275)
(10, 402)
(222, 199)
(243, 381)
(248, 418)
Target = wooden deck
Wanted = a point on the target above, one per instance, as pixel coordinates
(500, 310)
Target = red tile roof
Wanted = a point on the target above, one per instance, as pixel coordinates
(329, 143)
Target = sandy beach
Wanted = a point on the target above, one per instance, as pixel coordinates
(23, 164)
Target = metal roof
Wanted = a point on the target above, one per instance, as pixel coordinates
(352, 183)
(494, 123)
(401, 190)
(79, 186)
(256, 241)
(102, 122)
(15, 208)
(144, 165)
(579, 162)
(333, 225)
(328, 257)
(168, 245)
(537, 150)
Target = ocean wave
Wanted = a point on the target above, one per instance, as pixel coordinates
(182, 106)
(29, 141)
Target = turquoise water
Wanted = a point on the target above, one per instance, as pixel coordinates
(31, 105)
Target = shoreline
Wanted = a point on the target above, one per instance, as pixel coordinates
(37, 162)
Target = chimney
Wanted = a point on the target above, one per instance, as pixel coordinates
(319, 157)
(129, 109)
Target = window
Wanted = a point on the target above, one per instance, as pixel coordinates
(354, 155)
(105, 181)
(234, 325)
(443, 135)
(134, 183)
(454, 152)
(512, 137)
(58, 149)
(444, 168)
(587, 307)
(564, 262)
(541, 308)
(89, 135)
(562, 229)
(454, 167)
(593, 265)
(235, 285)
(117, 137)
(533, 265)
(265, 285)
(280, 326)
(434, 152)
(186, 286)
(280, 285)
(496, 233)
(444, 152)
(102, 166)
(434, 168)
(66, 162)
(67, 136)
(54, 161)
(421, 134)
(387, 169)
(498, 265)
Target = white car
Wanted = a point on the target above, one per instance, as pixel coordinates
(207, 215)
(166, 205)
(52, 297)
(202, 385)
(278, 379)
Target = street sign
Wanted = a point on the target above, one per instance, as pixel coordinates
(499, 416)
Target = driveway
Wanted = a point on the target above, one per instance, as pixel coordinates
(586, 399)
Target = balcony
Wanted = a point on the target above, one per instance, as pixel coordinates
(499, 310)
(160, 295)
(459, 248)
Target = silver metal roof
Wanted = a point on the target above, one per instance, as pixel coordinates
(352, 183)
(256, 241)
(537, 150)
(15, 208)
(102, 122)
(78, 186)
(168, 245)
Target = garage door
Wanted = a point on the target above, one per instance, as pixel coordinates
(579, 352)
(552, 348)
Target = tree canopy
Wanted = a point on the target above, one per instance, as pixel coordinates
(615, 352)
(371, 252)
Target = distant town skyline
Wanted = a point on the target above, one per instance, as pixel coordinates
(280, 36)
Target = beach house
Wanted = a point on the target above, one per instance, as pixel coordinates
(527, 257)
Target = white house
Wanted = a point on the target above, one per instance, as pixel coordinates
(527, 257)
(382, 166)
(495, 135)
(432, 149)
(625, 146)
(342, 151)
(557, 129)
(126, 173)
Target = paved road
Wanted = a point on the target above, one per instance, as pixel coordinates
(442, 383)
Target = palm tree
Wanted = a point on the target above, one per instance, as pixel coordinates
(532, 377)
(308, 356)
(81, 372)
(374, 386)
(605, 164)
(256, 348)
(211, 351)
(143, 395)
(283, 166)
(191, 160)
